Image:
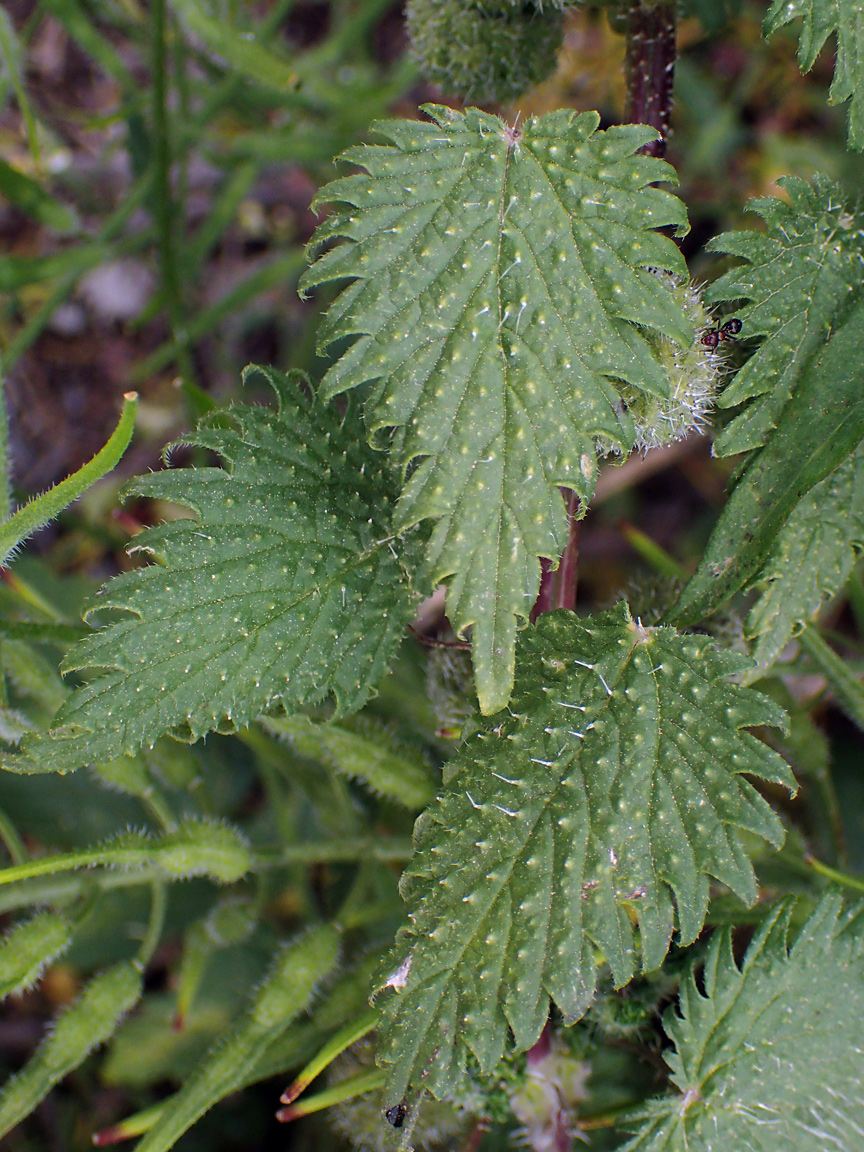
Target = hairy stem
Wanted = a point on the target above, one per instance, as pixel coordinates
(650, 67)
(558, 585)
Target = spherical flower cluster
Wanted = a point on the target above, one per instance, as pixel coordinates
(360, 1119)
(487, 50)
(694, 374)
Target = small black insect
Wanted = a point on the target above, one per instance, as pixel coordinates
(728, 331)
(396, 1115)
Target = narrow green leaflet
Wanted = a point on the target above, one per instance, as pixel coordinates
(286, 586)
(613, 787)
(822, 426)
(821, 19)
(801, 277)
(500, 293)
(811, 559)
(287, 991)
(362, 755)
(769, 1057)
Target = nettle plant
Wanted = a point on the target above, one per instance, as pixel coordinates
(591, 792)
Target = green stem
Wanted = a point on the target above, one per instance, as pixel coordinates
(33, 598)
(51, 865)
(832, 874)
(384, 848)
(855, 595)
(653, 555)
(12, 842)
(135, 1125)
(11, 53)
(344, 1038)
(159, 808)
(558, 586)
(42, 509)
(5, 486)
(345, 1090)
(164, 199)
(48, 889)
(848, 691)
(158, 905)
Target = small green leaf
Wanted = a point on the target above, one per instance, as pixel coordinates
(612, 787)
(361, 755)
(501, 292)
(821, 19)
(238, 48)
(801, 276)
(810, 560)
(768, 1056)
(821, 426)
(286, 587)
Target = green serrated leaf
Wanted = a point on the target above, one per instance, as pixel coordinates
(821, 19)
(768, 1057)
(821, 426)
(501, 292)
(811, 559)
(800, 278)
(286, 587)
(612, 787)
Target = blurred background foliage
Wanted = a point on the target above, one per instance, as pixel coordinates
(157, 163)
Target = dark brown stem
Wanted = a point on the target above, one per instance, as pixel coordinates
(650, 67)
(558, 586)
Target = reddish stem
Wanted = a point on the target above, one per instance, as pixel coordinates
(650, 67)
(558, 586)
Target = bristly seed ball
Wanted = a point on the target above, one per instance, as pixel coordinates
(487, 50)
(694, 375)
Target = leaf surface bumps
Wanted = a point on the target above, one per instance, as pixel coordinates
(500, 292)
(612, 787)
(821, 427)
(768, 1057)
(811, 559)
(285, 587)
(801, 276)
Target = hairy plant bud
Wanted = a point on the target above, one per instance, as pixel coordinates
(484, 51)
(694, 374)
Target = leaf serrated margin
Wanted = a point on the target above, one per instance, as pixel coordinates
(287, 586)
(821, 19)
(501, 284)
(612, 785)
(767, 1055)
